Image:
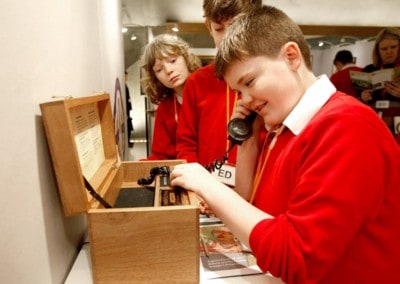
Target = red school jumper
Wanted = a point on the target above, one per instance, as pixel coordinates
(336, 211)
(164, 136)
(342, 80)
(202, 129)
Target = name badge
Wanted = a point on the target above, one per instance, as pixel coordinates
(225, 174)
(382, 104)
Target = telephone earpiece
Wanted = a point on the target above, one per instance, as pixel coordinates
(240, 129)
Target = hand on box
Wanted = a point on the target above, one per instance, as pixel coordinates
(192, 177)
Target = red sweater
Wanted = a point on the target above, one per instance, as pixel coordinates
(342, 81)
(164, 136)
(202, 130)
(335, 193)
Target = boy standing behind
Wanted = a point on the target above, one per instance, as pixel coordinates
(208, 103)
(341, 78)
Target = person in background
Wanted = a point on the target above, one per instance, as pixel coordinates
(386, 101)
(202, 134)
(166, 63)
(128, 111)
(344, 63)
(318, 201)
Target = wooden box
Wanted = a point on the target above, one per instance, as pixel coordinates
(152, 243)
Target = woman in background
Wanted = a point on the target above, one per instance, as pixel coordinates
(166, 62)
(386, 54)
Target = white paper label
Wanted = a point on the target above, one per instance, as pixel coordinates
(226, 174)
(88, 138)
(382, 104)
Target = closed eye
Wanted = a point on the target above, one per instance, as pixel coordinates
(249, 82)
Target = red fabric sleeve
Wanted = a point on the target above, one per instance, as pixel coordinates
(164, 135)
(187, 131)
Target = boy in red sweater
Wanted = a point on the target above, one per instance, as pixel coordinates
(319, 198)
(209, 102)
(341, 78)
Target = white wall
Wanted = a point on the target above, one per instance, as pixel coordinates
(340, 12)
(48, 48)
(53, 48)
(323, 59)
(307, 12)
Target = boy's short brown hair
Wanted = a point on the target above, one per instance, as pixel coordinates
(261, 32)
(221, 10)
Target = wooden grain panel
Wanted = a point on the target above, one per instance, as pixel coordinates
(157, 245)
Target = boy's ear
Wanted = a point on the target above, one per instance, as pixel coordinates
(293, 55)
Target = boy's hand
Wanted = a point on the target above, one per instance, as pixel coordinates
(240, 111)
(204, 208)
(193, 177)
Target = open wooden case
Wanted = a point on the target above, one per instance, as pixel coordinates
(153, 242)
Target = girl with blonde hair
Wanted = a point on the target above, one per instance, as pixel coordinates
(166, 64)
(386, 55)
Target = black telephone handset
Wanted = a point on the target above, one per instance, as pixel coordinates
(240, 129)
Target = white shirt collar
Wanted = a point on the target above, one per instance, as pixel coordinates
(348, 65)
(311, 102)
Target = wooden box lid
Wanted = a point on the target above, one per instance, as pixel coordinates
(81, 140)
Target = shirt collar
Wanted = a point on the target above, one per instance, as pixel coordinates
(310, 103)
(348, 65)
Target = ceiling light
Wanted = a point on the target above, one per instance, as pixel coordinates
(175, 28)
(124, 29)
(133, 37)
(322, 43)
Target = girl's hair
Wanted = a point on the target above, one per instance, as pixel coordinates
(221, 10)
(261, 32)
(386, 33)
(160, 47)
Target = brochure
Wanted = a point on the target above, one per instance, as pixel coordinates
(374, 80)
(223, 255)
